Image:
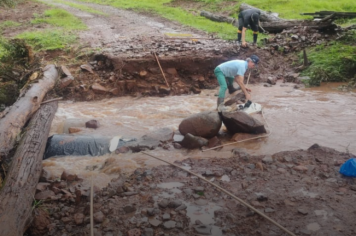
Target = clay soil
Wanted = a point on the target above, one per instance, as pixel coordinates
(301, 190)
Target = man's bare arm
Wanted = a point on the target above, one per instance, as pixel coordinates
(243, 34)
(240, 81)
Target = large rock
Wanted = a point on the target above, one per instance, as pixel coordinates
(241, 122)
(205, 124)
(191, 142)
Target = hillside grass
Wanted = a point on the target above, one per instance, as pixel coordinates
(60, 18)
(332, 63)
(81, 7)
(60, 35)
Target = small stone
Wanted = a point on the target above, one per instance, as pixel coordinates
(129, 209)
(155, 222)
(302, 211)
(169, 224)
(166, 216)
(269, 210)
(148, 232)
(78, 218)
(122, 149)
(93, 124)
(164, 203)
(174, 204)
(300, 168)
(267, 160)
(98, 217)
(134, 232)
(181, 207)
(203, 229)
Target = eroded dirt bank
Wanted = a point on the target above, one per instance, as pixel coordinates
(302, 190)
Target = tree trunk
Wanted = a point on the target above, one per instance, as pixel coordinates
(279, 26)
(265, 16)
(12, 123)
(18, 192)
(219, 18)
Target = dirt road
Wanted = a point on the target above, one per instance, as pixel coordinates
(302, 190)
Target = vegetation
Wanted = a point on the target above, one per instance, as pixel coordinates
(81, 7)
(57, 38)
(9, 3)
(60, 18)
(335, 62)
(48, 39)
(8, 24)
(13, 57)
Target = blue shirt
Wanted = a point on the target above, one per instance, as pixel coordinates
(233, 68)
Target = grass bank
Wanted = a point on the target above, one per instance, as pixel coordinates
(60, 33)
(335, 62)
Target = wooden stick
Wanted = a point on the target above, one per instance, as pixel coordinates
(51, 100)
(161, 69)
(189, 38)
(91, 205)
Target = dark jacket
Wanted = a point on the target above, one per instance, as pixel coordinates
(249, 17)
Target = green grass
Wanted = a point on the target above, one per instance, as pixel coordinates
(81, 7)
(48, 39)
(9, 24)
(60, 18)
(62, 36)
(9, 3)
(336, 62)
(4, 50)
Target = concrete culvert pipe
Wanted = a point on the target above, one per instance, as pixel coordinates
(82, 145)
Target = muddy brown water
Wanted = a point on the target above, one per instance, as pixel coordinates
(296, 120)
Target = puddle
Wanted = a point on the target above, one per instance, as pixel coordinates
(170, 185)
(205, 214)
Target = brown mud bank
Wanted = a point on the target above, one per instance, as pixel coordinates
(301, 190)
(156, 74)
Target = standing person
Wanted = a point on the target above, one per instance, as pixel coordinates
(248, 17)
(234, 70)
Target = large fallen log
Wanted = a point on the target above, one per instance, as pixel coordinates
(219, 18)
(279, 26)
(18, 192)
(335, 14)
(265, 16)
(276, 26)
(11, 124)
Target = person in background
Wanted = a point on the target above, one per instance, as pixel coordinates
(248, 17)
(234, 70)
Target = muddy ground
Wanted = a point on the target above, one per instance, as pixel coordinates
(302, 190)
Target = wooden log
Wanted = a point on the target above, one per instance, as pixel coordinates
(18, 192)
(12, 123)
(279, 26)
(265, 16)
(322, 14)
(219, 18)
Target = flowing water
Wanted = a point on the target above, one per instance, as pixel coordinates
(296, 118)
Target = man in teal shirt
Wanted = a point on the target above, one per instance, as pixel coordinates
(232, 70)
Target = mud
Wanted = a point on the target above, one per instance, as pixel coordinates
(302, 189)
